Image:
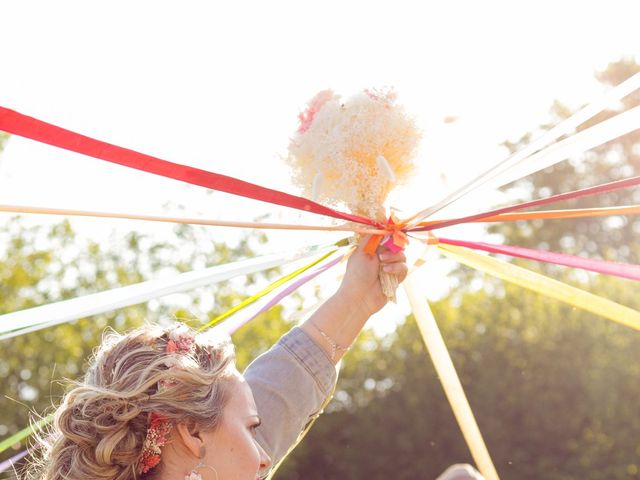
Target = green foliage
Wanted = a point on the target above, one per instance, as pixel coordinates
(3, 140)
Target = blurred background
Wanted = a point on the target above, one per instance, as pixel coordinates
(219, 86)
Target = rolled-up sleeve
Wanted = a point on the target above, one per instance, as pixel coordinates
(290, 383)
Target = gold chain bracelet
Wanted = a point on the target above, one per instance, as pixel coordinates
(335, 347)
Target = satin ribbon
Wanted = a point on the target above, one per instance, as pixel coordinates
(10, 462)
(29, 127)
(623, 270)
(516, 159)
(232, 325)
(602, 188)
(189, 221)
(395, 239)
(36, 318)
(553, 214)
(545, 285)
(265, 291)
(449, 379)
(24, 433)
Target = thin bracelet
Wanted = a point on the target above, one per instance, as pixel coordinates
(334, 345)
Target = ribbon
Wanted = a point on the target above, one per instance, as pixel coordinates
(24, 433)
(545, 285)
(395, 239)
(623, 270)
(188, 221)
(10, 462)
(514, 160)
(232, 325)
(36, 318)
(29, 127)
(449, 379)
(553, 214)
(252, 299)
(602, 188)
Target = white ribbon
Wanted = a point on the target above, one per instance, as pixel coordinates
(514, 160)
(592, 137)
(44, 316)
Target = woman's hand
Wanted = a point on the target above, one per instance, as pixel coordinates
(338, 321)
(361, 283)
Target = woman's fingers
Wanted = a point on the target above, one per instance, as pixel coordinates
(398, 269)
(390, 257)
(394, 263)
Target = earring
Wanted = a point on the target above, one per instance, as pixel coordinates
(194, 474)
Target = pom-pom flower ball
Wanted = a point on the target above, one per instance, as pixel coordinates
(353, 151)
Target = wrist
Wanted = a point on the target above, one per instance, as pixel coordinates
(356, 302)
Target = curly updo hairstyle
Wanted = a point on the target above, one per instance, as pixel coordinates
(101, 423)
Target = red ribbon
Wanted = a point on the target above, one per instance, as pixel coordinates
(29, 127)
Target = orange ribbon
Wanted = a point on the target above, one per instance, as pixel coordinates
(396, 238)
(553, 214)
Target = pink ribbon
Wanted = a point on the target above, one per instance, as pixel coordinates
(624, 270)
(232, 325)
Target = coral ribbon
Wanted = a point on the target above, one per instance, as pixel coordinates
(29, 127)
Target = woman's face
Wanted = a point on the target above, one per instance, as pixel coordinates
(232, 449)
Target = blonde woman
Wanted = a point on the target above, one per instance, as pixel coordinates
(168, 404)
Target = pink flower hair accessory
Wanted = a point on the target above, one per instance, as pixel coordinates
(180, 342)
(157, 437)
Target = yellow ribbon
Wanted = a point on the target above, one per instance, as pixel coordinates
(272, 286)
(545, 285)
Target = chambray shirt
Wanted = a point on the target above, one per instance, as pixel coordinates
(290, 383)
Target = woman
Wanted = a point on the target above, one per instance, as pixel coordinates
(168, 404)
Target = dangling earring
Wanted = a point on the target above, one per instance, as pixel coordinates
(194, 474)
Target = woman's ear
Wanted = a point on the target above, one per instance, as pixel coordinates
(191, 438)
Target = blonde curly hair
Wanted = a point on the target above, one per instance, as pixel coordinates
(101, 424)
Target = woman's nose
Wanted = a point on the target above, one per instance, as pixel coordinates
(265, 460)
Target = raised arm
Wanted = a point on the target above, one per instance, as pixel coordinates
(292, 380)
(337, 323)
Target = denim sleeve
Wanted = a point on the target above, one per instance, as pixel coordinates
(290, 382)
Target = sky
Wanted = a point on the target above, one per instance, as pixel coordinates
(219, 85)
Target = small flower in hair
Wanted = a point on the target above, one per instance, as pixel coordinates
(180, 340)
(157, 433)
(181, 345)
